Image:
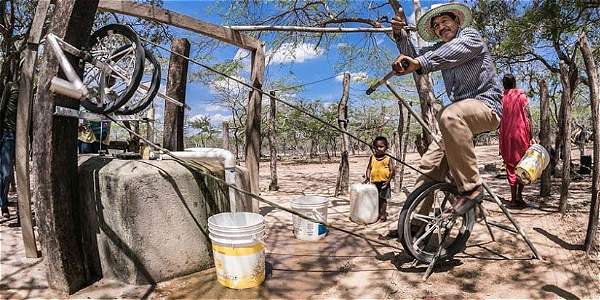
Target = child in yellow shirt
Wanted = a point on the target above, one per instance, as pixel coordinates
(380, 172)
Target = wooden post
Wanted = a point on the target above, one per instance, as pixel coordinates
(176, 85)
(272, 143)
(55, 157)
(566, 136)
(341, 186)
(23, 127)
(226, 135)
(398, 140)
(592, 73)
(150, 124)
(253, 139)
(546, 180)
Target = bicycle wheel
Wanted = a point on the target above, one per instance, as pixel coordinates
(112, 76)
(423, 223)
(147, 89)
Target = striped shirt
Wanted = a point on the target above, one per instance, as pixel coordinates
(466, 64)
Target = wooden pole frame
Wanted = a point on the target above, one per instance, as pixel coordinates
(224, 34)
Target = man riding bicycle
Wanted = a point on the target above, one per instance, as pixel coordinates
(471, 83)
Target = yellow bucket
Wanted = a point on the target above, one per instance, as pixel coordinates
(238, 250)
(533, 163)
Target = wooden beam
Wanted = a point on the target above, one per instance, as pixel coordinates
(253, 139)
(164, 16)
(343, 179)
(545, 138)
(176, 86)
(55, 158)
(23, 126)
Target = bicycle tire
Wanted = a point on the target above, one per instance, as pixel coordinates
(404, 223)
(137, 72)
(132, 108)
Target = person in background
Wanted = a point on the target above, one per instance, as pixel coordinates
(516, 135)
(380, 172)
(8, 124)
(92, 135)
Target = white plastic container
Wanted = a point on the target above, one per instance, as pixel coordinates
(533, 163)
(364, 203)
(238, 251)
(314, 207)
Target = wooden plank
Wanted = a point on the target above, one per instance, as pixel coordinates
(176, 86)
(253, 138)
(23, 125)
(55, 159)
(164, 16)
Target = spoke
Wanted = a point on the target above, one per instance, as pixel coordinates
(424, 235)
(121, 53)
(425, 218)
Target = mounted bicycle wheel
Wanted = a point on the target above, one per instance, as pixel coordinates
(147, 89)
(113, 69)
(423, 223)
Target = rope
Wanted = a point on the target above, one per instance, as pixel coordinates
(202, 170)
(296, 107)
(306, 84)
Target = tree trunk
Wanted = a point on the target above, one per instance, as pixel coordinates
(67, 244)
(272, 143)
(545, 129)
(566, 135)
(592, 73)
(341, 186)
(422, 82)
(176, 87)
(226, 135)
(398, 141)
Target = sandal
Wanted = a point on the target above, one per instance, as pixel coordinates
(463, 203)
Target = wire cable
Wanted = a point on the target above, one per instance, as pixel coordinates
(205, 172)
(296, 107)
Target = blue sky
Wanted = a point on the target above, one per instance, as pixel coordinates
(308, 65)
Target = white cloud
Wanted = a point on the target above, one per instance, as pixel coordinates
(218, 119)
(212, 108)
(226, 85)
(359, 76)
(289, 53)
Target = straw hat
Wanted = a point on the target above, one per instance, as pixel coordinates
(460, 10)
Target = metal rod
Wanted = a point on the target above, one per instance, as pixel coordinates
(72, 87)
(312, 29)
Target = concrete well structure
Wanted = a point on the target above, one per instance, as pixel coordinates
(146, 220)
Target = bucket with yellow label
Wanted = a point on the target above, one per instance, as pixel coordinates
(533, 163)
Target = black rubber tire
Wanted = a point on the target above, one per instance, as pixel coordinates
(128, 33)
(151, 93)
(412, 202)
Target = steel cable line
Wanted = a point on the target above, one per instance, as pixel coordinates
(204, 171)
(296, 107)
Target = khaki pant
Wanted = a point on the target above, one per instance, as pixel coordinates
(459, 123)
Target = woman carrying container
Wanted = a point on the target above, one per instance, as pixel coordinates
(516, 135)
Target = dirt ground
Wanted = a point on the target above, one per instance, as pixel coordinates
(344, 266)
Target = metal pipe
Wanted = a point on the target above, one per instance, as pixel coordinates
(223, 155)
(73, 86)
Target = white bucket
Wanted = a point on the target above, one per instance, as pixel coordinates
(237, 248)
(533, 163)
(364, 203)
(314, 207)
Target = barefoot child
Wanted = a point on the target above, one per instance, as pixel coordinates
(380, 172)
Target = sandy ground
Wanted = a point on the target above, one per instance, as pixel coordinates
(344, 266)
